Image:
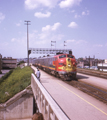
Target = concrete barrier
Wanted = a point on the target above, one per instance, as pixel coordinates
(18, 107)
(46, 105)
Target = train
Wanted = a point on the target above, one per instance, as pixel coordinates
(61, 65)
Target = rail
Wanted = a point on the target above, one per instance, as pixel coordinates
(46, 105)
(92, 72)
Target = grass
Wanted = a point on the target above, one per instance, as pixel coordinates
(13, 82)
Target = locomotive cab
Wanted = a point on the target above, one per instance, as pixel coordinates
(67, 65)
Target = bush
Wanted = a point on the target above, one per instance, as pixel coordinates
(5, 76)
(21, 62)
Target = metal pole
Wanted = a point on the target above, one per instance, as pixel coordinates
(89, 61)
(65, 44)
(27, 23)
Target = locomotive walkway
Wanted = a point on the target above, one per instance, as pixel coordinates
(76, 104)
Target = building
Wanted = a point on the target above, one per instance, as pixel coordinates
(9, 62)
(88, 62)
(102, 66)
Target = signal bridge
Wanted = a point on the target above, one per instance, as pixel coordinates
(49, 50)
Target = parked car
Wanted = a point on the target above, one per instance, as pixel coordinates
(94, 67)
(87, 67)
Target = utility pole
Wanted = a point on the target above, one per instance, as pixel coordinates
(27, 23)
(52, 44)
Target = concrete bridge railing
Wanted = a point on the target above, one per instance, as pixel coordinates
(46, 105)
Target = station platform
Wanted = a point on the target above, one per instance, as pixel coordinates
(76, 104)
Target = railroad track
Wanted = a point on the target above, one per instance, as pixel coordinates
(97, 73)
(93, 91)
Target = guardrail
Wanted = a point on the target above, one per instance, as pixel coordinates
(92, 72)
(47, 106)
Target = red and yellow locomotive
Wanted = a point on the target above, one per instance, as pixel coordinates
(61, 65)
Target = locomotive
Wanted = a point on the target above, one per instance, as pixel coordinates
(60, 65)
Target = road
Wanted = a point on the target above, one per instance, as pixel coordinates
(76, 104)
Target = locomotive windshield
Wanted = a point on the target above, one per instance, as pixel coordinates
(70, 56)
(62, 56)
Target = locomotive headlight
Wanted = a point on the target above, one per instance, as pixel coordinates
(69, 65)
(68, 59)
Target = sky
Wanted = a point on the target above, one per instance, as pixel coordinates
(81, 23)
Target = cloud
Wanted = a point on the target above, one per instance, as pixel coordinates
(13, 39)
(81, 42)
(73, 25)
(32, 4)
(73, 11)
(86, 12)
(2, 17)
(69, 3)
(76, 41)
(42, 15)
(77, 16)
(18, 24)
(56, 26)
(51, 28)
(71, 41)
(98, 45)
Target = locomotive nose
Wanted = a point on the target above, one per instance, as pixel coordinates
(68, 59)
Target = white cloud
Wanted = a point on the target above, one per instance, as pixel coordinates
(86, 12)
(13, 39)
(71, 41)
(83, 13)
(76, 41)
(73, 11)
(77, 16)
(56, 26)
(18, 24)
(73, 25)
(2, 17)
(81, 42)
(69, 3)
(42, 15)
(32, 4)
(51, 28)
(98, 45)
(48, 27)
